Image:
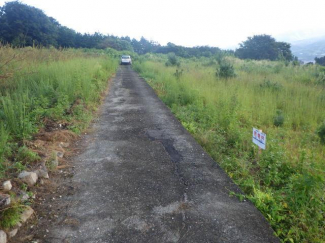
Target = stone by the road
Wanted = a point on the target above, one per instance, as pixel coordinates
(24, 196)
(6, 185)
(64, 145)
(42, 173)
(3, 237)
(30, 178)
(28, 212)
(4, 200)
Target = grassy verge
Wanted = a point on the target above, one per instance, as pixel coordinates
(43, 90)
(286, 182)
(38, 85)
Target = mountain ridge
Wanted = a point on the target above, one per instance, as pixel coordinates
(305, 46)
(306, 50)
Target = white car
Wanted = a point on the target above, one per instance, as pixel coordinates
(126, 60)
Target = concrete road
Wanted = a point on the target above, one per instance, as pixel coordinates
(143, 178)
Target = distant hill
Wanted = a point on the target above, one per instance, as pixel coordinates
(306, 50)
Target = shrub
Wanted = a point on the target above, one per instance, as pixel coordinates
(225, 70)
(172, 60)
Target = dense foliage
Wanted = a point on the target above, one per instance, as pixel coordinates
(285, 181)
(320, 60)
(261, 47)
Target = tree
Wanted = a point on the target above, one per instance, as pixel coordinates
(23, 25)
(284, 51)
(261, 47)
(66, 37)
(320, 60)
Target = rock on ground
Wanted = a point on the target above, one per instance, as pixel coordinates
(3, 237)
(24, 196)
(4, 200)
(30, 178)
(26, 214)
(64, 145)
(6, 186)
(42, 173)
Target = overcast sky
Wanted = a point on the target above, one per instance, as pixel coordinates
(222, 23)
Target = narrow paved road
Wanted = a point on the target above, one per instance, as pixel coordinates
(143, 178)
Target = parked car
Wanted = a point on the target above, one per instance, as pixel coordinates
(126, 60)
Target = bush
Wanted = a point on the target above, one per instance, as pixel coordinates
(172, 60)
(225, 70)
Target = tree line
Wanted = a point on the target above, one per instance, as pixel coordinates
(23, 25)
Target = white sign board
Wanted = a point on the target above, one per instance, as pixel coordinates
(259, 138)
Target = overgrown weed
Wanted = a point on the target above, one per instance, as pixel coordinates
(39, 84)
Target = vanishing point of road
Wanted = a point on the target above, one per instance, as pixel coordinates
(143, 178)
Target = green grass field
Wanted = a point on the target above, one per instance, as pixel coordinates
(38, 85)
(287, 102)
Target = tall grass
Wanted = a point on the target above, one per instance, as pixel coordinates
(286, 182)
(38, 84)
